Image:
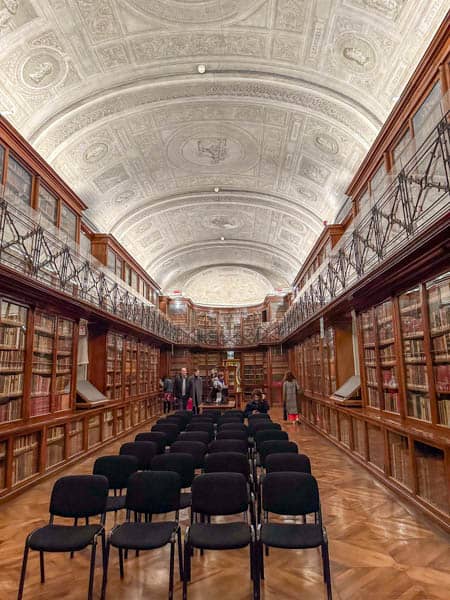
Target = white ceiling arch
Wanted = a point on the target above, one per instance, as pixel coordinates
(293, 95)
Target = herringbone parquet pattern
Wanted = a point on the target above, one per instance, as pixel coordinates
(380, 549)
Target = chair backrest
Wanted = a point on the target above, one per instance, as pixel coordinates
(275, 446)
(290, 493)
(153, 492)
(186, 414)
(171, 430)
(232, 434)
(206, 426)
(219, 494)
(254, 427)
(196, 449)
(230, 419)
(269, 434)
(257, 416)
(236, 412)
(194, 436)
(201, 419)
(287, 461)
(116, 469)
(179, 462)
(180, 420)
(227, 462)
(235, 445)
(77, 496)
(178, 423)
(143, 451)
(214, 414)
(233, 425)
(158, 437)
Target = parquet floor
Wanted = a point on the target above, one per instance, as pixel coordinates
(380, 549)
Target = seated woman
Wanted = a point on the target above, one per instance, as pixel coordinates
(257, 404)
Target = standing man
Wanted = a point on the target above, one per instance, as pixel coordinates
(181, 388)
(196, 390)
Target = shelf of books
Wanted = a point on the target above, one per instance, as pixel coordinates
(208, 323)
(253, 372)
(131, 352)
(3, 465)
(438, 292)
(329, 362)
(56, 441)
(278, 367)
(314, 364)
(114, 365)
(13, 326)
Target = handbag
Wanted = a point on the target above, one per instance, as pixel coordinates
(190, 404)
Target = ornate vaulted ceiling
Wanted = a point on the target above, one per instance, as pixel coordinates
(294, 92)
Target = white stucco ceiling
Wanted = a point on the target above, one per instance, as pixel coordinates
(293, 95)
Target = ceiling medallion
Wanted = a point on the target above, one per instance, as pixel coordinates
(221, 222)
(95, 152)
(42, 69)
(326, 143)
(356, 54)
(389, 8)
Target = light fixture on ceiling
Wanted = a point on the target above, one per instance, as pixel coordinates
(217, 189)
(201, 69)
(222, 239)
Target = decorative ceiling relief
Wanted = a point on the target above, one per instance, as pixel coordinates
(292, 97)
(229, 286)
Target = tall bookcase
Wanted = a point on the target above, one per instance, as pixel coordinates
(254, 372)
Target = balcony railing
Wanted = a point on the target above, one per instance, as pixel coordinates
(409, 202)
(36, 249)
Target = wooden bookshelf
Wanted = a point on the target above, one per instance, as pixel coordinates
(254, 372)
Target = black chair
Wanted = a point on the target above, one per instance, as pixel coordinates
(228, 446)
(275, 446)
(229, 419)
(202, 419)
(149, 493)
(117, 470)
(194, 436)
(177, 422)
(257, 416)
(214, 414)
(232, 434)
(143, 451)
(262, 425)
(269, 434)
(219, 494)
(235, 412)
(293, 494)
(186, 414)
(177, 419)
(74, 497)
(233, 425)
(208, 427)
(288, 462)
(196, 449)
(158, 437)
(170, 429)
(181, 463)
(230, 462)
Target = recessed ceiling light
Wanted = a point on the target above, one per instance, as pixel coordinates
(222, 239)
(217, 190)
(201, 69)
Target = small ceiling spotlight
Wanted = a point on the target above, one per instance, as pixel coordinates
(201, 69)
(217, 189)
(222, 239)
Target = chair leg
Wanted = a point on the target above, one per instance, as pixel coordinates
(75, 524)
(180, 554)
(105, 570)
(186, 568)
(256, 575)
(91, 571)
(171, 569)
(24, 571)
(267, 550)
(261, 559)
(41, 566)
(121, 562)
(326, 569)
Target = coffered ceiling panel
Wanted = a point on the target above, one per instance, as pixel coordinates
(293, 94)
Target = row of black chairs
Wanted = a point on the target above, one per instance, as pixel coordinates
(154, 481)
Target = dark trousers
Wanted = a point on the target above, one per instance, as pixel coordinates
(182, 402)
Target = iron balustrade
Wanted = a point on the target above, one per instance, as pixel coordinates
(414, 198)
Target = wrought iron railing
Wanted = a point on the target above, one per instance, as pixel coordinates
(411, 200)
(31, 246)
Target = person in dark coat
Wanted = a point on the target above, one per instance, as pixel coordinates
(196, 390)
(181, 389)
(257, 404)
